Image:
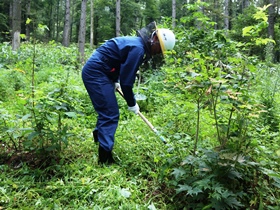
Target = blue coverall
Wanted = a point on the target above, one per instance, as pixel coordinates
(118, 59)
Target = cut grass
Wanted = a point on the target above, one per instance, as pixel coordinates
(75, 180)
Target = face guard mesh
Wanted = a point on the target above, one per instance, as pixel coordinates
(146, 34)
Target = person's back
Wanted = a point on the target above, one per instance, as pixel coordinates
(118, 48)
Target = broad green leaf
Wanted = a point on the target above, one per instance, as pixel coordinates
(28, 20)
(216, 196)
(261, 41)
(33, 135)
(194, 191)
(23, 36)
(204, 183)
(25, 117)
(178, 172)
(183, 188)
(189, 160)
(71, 114)
(247, 31)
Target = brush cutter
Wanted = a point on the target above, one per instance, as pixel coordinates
(146, 121)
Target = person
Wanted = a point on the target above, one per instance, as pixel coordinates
(114, 65)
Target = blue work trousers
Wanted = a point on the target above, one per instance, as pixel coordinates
(102, 94)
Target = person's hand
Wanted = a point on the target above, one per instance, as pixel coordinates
(134, 109)
(117, 86)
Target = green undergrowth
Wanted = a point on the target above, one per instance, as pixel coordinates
(74, 180)
(222, 148)
(79, 183)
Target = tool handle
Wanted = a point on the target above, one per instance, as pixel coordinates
(151, 126)
(146, 120)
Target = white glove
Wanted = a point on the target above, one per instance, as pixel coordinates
(117, 86)
(134, 109)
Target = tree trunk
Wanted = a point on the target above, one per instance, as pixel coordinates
(57, 20)
(50, 18)
(271, 19)
(16, 21)
(216, 18)
(67, 25)
(173, 14)
(11, 15)
(82, 31)
(91, 23)
(226, 14)
(27, 27)
(246, 3)
(118, 17)
(198, 22)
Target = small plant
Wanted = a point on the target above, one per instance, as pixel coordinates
(220, 180)
(42, 124)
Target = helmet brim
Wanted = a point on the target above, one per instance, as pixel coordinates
(166, 39)
(160, 38)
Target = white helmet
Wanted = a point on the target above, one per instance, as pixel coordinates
(166, 39)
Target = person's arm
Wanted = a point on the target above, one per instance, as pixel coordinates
(128, 73)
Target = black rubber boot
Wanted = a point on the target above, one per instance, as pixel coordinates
(95, 136)
(105, 156)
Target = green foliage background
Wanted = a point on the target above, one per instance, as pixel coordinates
(214, 101)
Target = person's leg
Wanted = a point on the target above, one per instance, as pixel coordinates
(102, 93)
(95, 135)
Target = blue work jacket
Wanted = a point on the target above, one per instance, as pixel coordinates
(122, 57)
